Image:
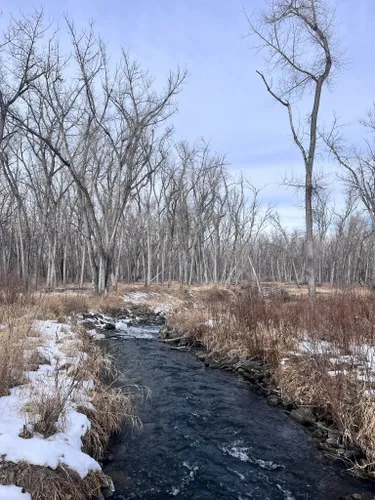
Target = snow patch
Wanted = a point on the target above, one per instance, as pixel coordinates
(210, 323)
(335, 373)
(137, 333)
(159, 303)
(139, 297)
(359, 363)
(95, 335)
(12, 492)
(122, 325)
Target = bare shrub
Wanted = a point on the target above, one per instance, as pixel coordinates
(12, 288)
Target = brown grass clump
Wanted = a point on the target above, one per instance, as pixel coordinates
(340, 399)
(60, 484)
(365, 437)
(16, 323)
(111, 409)
(34, 359)
(245, 324)
(60, 307)
(189, 321)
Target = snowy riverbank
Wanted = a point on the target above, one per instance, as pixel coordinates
(49, 423)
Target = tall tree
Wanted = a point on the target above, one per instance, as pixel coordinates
(299, 39)
(109, 134)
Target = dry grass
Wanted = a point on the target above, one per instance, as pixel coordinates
(16, 323)
(62, 306)
(111, 409)
(59, 484)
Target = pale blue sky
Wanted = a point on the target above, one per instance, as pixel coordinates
(224, 100)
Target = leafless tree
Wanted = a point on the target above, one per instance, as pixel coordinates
(298, 37)
(108, 135)
(359, 166)
(95, 186)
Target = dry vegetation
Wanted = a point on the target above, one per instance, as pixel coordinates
(110, 405)
(322, 356)
(59, 484)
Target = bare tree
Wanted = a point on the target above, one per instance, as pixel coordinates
(92, 183)
(109, 134)
(299, 39)
(359, 166)
(21, 64)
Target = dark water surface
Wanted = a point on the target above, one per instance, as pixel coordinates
(206, 435)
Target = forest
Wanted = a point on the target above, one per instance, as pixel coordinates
(96, 187)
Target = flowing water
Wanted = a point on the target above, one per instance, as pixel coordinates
(206, 435)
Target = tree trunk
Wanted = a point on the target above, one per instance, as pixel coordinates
(310, 261)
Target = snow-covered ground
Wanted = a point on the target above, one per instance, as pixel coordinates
(60, 347)
(140, 297)
(360, 363)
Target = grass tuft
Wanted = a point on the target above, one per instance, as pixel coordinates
(59, 484)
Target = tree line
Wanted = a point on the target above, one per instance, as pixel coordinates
(95, 186)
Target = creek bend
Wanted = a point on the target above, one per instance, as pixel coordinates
(206, 435)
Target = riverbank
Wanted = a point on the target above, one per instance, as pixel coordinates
(317, 362)
(57, 411)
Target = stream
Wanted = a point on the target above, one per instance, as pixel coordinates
(206, 435)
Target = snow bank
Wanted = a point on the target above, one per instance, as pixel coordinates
(139, 297)
(122, 325)
(59, 346)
